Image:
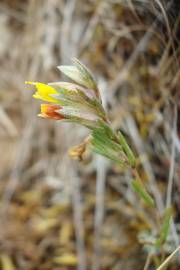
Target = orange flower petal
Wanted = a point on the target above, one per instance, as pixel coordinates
(50, 111)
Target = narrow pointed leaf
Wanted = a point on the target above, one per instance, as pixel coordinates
(72, 72)
(165, 227)
(140, 190)
(79, 74)
(86, 74)
(127, 150)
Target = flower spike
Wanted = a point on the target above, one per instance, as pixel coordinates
(80, 102)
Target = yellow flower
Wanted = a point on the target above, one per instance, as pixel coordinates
(44, 91)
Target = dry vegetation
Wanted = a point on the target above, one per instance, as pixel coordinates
(48, 201)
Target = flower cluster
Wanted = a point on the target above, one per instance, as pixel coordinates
(80, 102)
(75, 102)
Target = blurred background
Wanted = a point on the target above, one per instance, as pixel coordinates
(57, 213)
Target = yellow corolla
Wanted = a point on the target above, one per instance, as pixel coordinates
(44, 92)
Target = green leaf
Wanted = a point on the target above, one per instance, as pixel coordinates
(79, 74)
(81, 121)
(90, 81)
(104, 152)
(73, 73)
(165, 227)
(127, 149)
(104, 143)
(98, 136)
(140, 190)
(78, 112)
(106, 130)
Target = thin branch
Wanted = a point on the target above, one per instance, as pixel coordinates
(168, 259)
(148, 261)
(99, 211)
(78, 221)
(145, 162)
(171, 176)
(172, 165)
